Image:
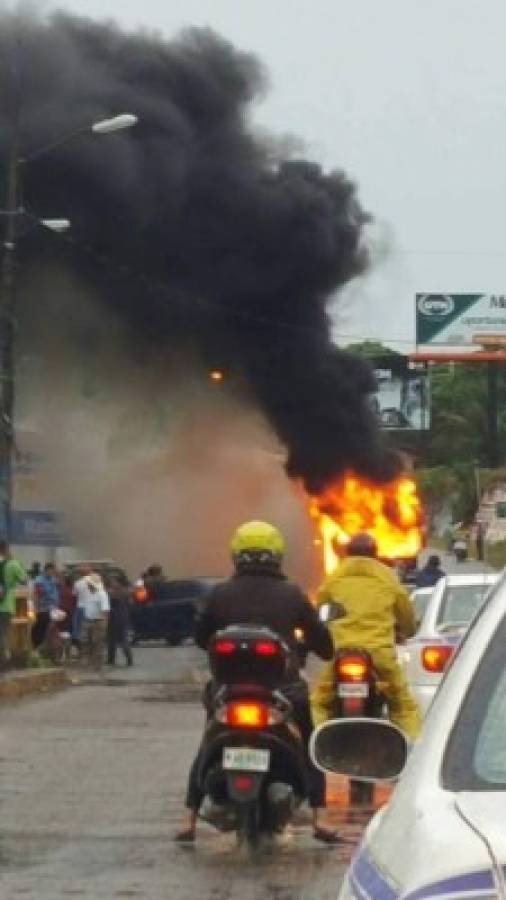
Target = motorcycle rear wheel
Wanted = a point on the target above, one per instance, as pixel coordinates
(248, 826)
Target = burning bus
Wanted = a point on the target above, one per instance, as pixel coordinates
(392, 513)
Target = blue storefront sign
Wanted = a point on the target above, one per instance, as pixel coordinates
(37, 528)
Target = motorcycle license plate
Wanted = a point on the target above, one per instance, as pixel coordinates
(359, 689)
(246, 759)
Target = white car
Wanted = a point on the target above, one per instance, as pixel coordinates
(453, 603)
(420, 600)
(443, 833)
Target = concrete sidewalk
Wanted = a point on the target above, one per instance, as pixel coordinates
(183, 668)
(21, 682)
(179, 667)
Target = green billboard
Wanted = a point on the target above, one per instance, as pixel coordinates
(459, 319)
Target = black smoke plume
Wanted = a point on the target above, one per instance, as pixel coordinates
(190, 226)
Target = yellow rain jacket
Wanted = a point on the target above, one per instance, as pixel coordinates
(377, 606)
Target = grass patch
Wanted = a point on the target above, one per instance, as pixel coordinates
(495, 554)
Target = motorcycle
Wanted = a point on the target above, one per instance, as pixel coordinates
(253, 766)
(358, 693)
(461, 550)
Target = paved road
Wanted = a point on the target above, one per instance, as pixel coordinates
(157, 664)
(91, 786)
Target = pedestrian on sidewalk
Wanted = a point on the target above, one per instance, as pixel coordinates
(47, 597)
(68, 603)
(34, 571)
(119, 619)
(93, 602)
(154, 581)
(12, 574)
(67, 599)
(431, 572)
(480, 541)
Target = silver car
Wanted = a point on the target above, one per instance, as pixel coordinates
(452, 605)
(420, 599)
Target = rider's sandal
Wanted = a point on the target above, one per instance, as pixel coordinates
(187, 836)
(326, 836)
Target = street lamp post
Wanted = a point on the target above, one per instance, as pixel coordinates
(8, 295)
(7, 309)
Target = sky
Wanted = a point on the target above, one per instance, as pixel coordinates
(409, 97)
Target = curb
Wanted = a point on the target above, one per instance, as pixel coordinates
(182, 690)
(21, 684)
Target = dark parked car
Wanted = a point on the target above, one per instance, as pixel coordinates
(106, 568)
(169, 611)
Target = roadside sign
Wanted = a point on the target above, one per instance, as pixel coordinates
(402, 397)
(37, 528)
(455, 320)
(35, 521)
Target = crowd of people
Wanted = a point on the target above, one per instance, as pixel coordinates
(76, 611)
(88, 611)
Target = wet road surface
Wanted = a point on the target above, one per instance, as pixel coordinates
(91, 788)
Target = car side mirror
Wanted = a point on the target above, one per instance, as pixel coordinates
(362, 749)
(330, 611)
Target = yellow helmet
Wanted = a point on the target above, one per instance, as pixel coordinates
(259, 536)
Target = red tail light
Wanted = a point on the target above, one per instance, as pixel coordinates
(140, 594)
(243, 782)
(352, 668)
(435, 657)
(247, 714)
(352, 706)
(266, 648)
(225, 647)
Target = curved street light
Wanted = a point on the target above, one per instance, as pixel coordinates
(118, 123)
(56, 225)
(8, 292)
(102, 126)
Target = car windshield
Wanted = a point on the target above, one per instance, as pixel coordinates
(476, 756)
(105, 570)
(490, 752)
(460, 602)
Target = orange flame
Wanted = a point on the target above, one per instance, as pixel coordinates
(391, 513)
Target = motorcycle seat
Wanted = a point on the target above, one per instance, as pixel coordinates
(245, 691)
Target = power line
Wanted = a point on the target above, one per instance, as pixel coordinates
(485, 253)
(123, 270)
(360, 338)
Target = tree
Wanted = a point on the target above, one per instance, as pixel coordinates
(456, 445)
(372, 350)
(459, 431)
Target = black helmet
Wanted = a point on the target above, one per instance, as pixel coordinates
(362, 544)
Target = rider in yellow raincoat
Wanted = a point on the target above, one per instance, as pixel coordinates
(377, 607)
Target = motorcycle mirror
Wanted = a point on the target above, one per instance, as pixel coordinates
(362, 749)
(330, 611)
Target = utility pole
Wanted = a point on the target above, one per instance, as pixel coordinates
(7, 329)
(11, 212)
(492, 411)
(477, 479)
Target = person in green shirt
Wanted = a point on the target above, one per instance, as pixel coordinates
(12, 574)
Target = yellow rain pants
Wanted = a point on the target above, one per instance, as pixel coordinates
(377, 606)
(402, 707)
